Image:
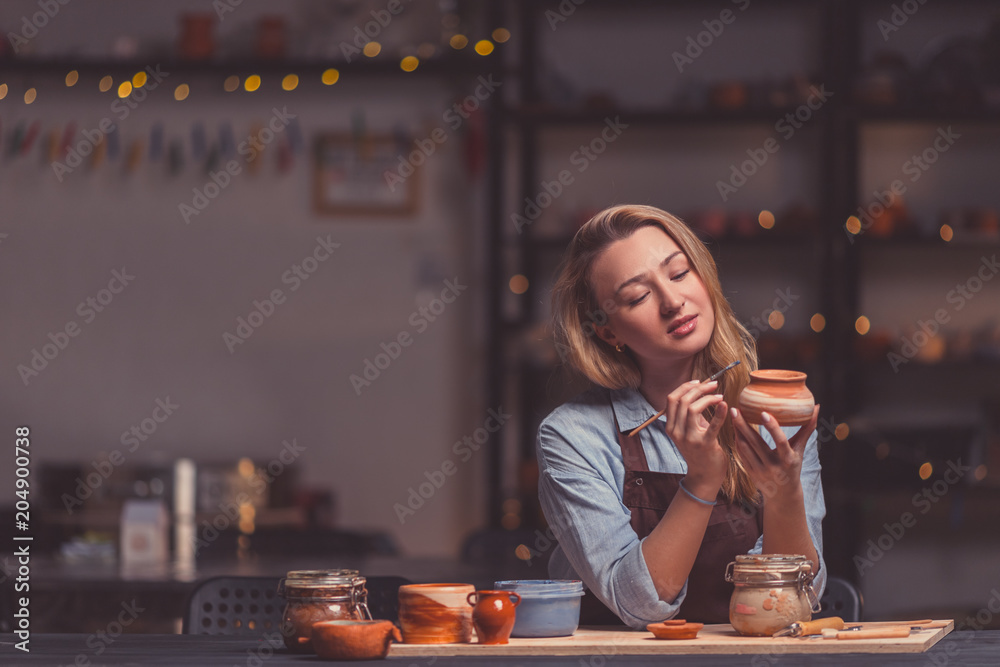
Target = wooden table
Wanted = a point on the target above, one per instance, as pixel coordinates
(957, 648)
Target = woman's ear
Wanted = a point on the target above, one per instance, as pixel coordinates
(605, 334)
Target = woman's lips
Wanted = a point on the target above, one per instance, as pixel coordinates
(684, 326)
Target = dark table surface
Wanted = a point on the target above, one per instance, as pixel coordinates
(81, 650)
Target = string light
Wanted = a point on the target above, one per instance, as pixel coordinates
(330, 76)
(947, 233)
(3, 90)
(458, 42)
(853, 224)
(231, 83)
(926, 470)
(817, 322)
(29, 95)
(372, 49)
(501, 35)
(105, 84)
(484, 47)
(252, 83)
(518, 284)
(776, 319)
(181, 92)
(862, 325)
(124, 89)
(139, 80)
(71, 78)
(766, 219)
(409, 63)
(842, 431)
(290, 82)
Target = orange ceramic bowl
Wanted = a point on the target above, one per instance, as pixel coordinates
(353, 640)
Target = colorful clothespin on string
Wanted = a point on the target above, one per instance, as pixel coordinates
(29, 138)
(133, 156)
(51, 153)
(99, 153)
(256, 157)
(175, 156)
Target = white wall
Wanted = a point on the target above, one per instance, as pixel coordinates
(162, 335)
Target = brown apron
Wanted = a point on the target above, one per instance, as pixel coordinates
(731, 530)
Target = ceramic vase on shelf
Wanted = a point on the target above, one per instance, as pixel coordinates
(493, 615)
(782, 394)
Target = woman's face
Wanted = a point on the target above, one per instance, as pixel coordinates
(661, 309)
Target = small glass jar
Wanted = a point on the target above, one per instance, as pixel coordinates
(770, 592)
(319, 595)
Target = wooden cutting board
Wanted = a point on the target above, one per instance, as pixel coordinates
(711, 639)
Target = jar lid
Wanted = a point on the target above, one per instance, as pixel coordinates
(769, 568)
(542, 588)
(325, 583)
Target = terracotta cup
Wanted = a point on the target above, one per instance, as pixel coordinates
(782, 394)
(493, 615)
(353, 640)
(435, 613)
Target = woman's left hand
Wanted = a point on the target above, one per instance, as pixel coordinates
(774, 471)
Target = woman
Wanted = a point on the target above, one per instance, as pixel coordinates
(649, 521)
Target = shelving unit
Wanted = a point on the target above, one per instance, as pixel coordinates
(838, 374)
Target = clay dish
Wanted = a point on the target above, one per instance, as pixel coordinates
(675, 630)
(353, 640)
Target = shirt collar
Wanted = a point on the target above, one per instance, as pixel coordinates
(631, 408)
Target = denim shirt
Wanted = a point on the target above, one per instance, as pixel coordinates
(580, 489)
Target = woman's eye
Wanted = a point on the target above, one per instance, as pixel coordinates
(636, 302)
(681, 275)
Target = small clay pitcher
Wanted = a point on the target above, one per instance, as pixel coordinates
(781, 394)
(493, 615)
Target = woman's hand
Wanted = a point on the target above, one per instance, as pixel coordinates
(696, 437)
(776, 472)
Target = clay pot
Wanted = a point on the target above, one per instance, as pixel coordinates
(353, 640)
(493, 615)
(782, 394)
(435, 613)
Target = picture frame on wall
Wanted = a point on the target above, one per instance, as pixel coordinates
(350, 177)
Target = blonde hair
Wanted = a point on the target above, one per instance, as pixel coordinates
(577, 316)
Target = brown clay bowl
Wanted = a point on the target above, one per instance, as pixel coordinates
(353, 640)
(675, 629)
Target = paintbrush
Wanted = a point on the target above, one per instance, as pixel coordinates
(657, 415)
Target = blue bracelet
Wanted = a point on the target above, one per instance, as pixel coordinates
(693, 497)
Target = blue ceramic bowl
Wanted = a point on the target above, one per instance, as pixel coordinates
(549, 608)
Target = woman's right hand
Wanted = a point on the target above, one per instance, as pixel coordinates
(696, 438)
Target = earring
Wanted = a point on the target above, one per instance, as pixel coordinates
(618, 347)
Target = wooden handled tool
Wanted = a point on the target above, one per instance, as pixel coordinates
(874, 633)
(834, 623)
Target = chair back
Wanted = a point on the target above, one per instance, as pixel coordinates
(234, 606)
(841, 598)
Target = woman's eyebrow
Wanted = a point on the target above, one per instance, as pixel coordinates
(639, 278)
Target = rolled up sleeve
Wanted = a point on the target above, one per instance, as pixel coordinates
(586, 513)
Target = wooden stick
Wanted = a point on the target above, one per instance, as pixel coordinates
(660, 413)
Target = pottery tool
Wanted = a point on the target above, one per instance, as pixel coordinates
(658, 414)
(806, 628)
(874, 633)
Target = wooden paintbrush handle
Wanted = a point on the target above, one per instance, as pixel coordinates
(876, 633)
(816, 627)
